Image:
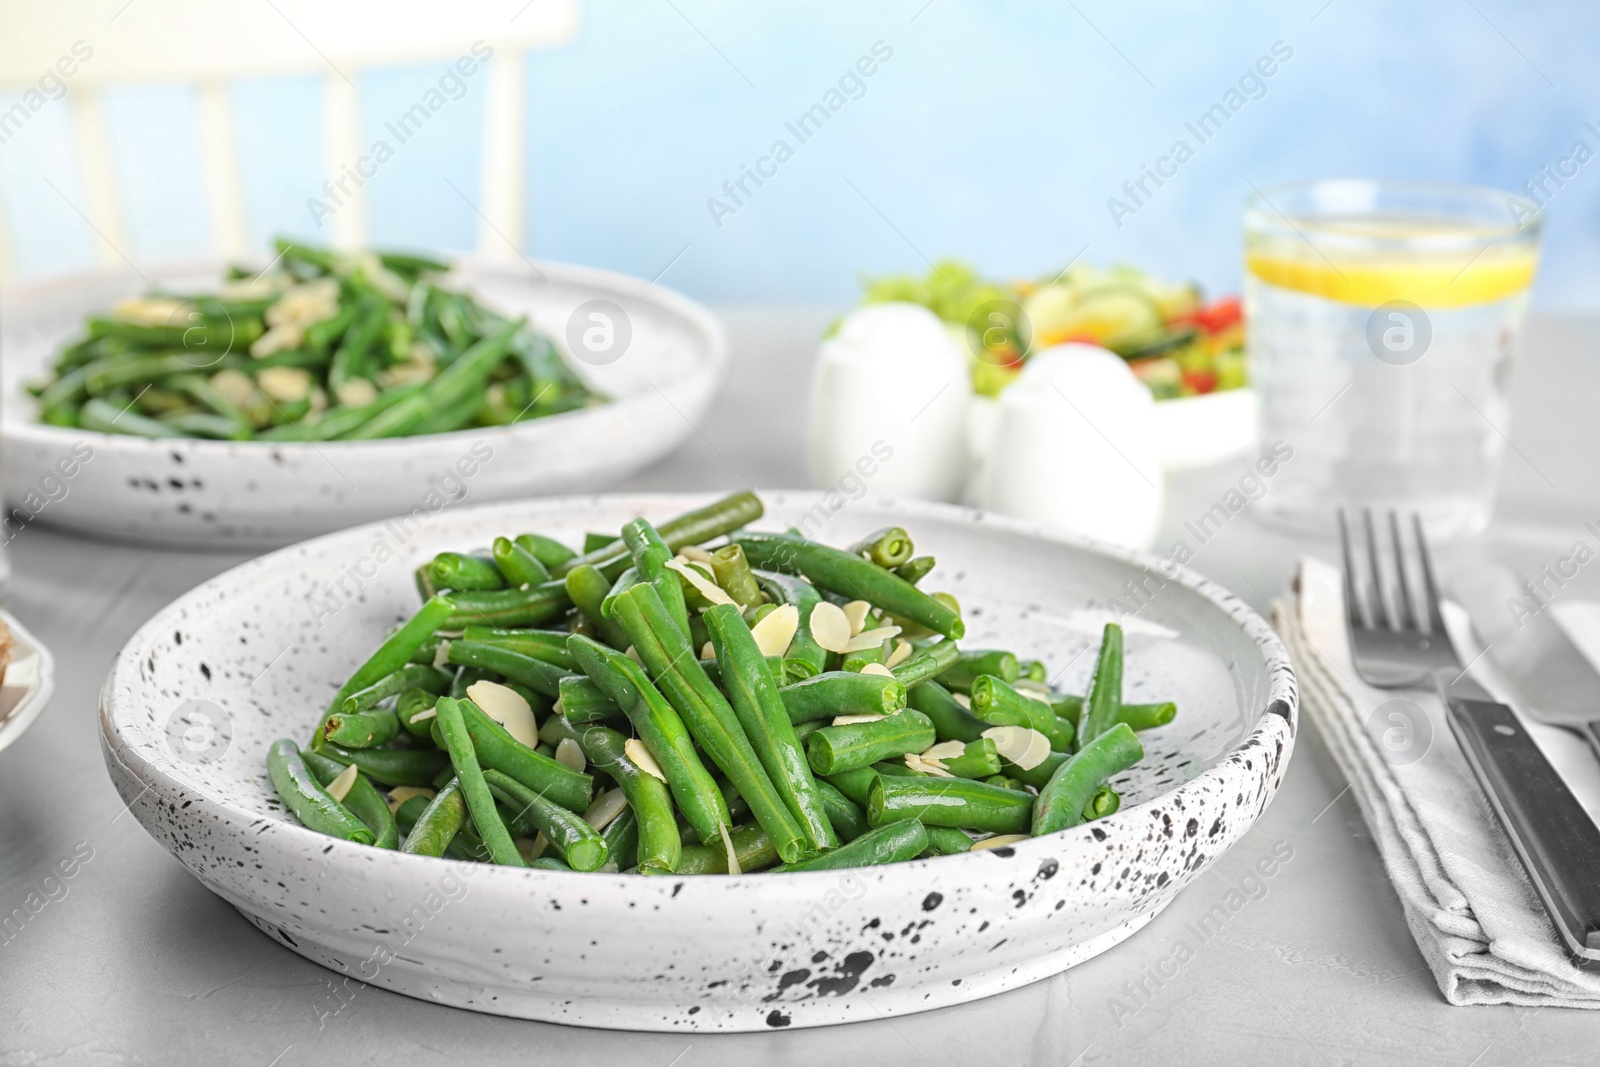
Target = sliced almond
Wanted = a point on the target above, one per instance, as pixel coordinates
(505, 706)
(1031, 686)
(425, 715)
(830, 627)
(871, 638)
(569, 754)
(945, 750)
(877, 668)
(1022, 746)
(288, 385)
(558, 709)
(633, 654)
(776, 629)
(708, 651)
(926, 766)
(705, 586)
(964, 700)
(902, 652)
(152, 311)
(339, 788)
(402, 793)
(540, 843)
(441, 655)
(606, 806)
(696, 554)
(727, 843)
(998, 841)
(641, 758)
(277, 339)
(856, 612)
(356, 393)
(235, 386)
(526, 846)
(851, 720)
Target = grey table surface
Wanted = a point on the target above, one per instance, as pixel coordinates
(134, 962)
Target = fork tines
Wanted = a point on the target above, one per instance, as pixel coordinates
(1374, 603)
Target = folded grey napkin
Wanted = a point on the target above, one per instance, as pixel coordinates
(1477, 920)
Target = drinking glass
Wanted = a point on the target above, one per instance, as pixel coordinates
(1382, 321)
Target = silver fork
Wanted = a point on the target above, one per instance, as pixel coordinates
(1557, 842)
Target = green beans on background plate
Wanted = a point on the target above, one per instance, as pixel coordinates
(551, 708)
(320, 346)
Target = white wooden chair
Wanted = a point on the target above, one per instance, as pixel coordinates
(210, 43)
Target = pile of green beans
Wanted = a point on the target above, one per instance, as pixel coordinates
(321, 346)
(673, 727)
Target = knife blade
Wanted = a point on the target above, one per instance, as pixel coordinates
(1554, 681)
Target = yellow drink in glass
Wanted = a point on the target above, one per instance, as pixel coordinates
(1382, 322)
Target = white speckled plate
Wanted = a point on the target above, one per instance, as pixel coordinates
(253, 655)
(261, 494)
(28, 683)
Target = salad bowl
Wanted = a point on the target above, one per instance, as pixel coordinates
(200, 692)
(254, 494)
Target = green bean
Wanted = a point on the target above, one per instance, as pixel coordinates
(463, 377)
(666, 654)
(409, 811)
(583, 701)
(439, 823)
(1035, 671)
(973, 663)
(546, 550)
(980, 760)
(338, 423)
(804, 654)
(624, 582)
(1105, 802)
(360, 729)
(107, 417)
(588, 588)
(893, 843)
(754, 694)
(999, 704)
(547, 645)
(406, 262)
(411, 676)
(466, 678)
(506, 607)
(733, 574)
(390, 766)
(649, 801)
(847, 819)
(204, 424)
(499, 751)
(621, 836)
(593, 542)
(662, 731)
(889, 548)
(309, 802)
(517, 564)
(926, 663)
(1061, 802)
(856, 784)
(409, 705)
(852, 576)
(350, 359)
(474, 784)
(320, 336)
(953, 802)
(650, 558)
(916, 569)
(1147, 716)
(455, 570)
(396, 650)
(842, 748)
(691, 528)
(1105, 689)
(947, 841)
(362, 800)
(536, 674)
(842, 693)
(579, 843)
(857, 661)
(751, 847)
(951, 721)
(548, 863)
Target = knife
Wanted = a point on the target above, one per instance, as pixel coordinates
(1554, 681)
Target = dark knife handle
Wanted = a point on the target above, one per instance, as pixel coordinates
(1558, 843)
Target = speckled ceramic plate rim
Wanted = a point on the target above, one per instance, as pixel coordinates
(1275, 727)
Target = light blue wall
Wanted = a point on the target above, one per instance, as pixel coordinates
(995, 132)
